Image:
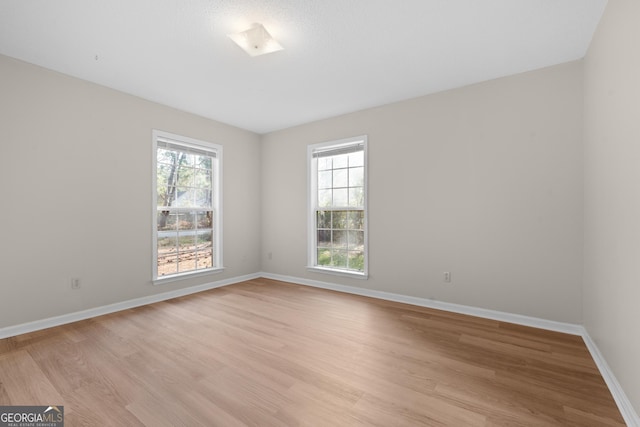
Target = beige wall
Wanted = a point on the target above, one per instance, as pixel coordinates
(484, 181)
(76, 193)
(612, 192)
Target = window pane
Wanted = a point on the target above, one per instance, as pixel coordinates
(186, 159)
(356, 177)
(204, 240)
(339, 219)
(167, 255)
(186, 242)
(356, 240)
(204, 219)
(203, 199)
(324, 238)
(167, 242)
(324, 198)
(184, 197)
(356, 159)
(340, 178)
(340, 161)
(165, 173)
(185, 177)
(339, 258)
(162, 196)
(324, 163)
(203, 162)
(166, 156)
(356, 260)
(186, 221)
(356, 197)
(186, 261)
(323, 219)
(340, 239)
(164, 185)
(204, 259)
(356, 220)
(340, 197)
(166, 221)
(324, 256)
(167, 197)
(202, 178)
(324, 179)
(167, 264)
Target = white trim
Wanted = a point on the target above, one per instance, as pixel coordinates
(335, 272)
(218, 209)
(624, 405)
(37, 325)
(188, 275)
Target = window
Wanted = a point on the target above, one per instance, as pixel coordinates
(186, 206)
(337, 207)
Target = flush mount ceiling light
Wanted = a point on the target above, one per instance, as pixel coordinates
(256, 41)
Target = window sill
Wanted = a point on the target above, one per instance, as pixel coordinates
(343, 273)
(174, 277)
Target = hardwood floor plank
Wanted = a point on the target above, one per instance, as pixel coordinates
(184, 407)
(64, 364)
(587, 418)
(269, 353)
(249, 400)
(497, 404)
(24, 383)
(426, 411)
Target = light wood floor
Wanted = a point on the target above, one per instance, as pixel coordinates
(268, 353)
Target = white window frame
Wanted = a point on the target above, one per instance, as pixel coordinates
(186, 142)
(312, 203)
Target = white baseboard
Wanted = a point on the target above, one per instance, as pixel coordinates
(567, 328)
(626, 409)
(37, 325)
(624, 405)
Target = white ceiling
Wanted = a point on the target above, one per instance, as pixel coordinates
(339, 55)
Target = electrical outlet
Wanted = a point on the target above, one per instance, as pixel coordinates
(447, 277)
(75, 283)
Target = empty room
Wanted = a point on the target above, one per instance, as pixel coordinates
(320, 213)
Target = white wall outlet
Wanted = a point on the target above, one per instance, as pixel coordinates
(75, 283)
(447, 276)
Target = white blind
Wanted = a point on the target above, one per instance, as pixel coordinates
(183, 147)
(340, 149)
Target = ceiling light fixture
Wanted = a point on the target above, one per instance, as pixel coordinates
(256, 41)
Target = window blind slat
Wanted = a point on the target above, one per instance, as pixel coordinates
(335, 151)
(185, 148)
